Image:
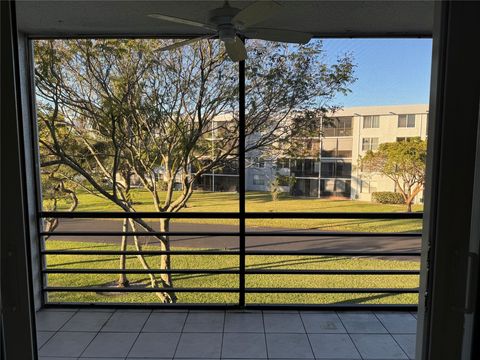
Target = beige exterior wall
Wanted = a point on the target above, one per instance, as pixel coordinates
(388, 131)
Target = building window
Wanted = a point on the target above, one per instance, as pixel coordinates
(282, 164)
(259, 163)
(406, 121)
(369, 144)
(371, 121)
(258, 180)
(337, 126)
(373, 186)
(407, 138)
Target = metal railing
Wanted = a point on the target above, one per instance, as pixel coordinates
(242, 253)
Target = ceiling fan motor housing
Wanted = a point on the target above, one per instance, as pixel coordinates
(222, 18)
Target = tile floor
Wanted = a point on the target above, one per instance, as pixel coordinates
(145, 334)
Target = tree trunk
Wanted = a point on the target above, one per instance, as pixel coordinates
(409, 205)
(164, 297)
(122, 280)
(165, 259)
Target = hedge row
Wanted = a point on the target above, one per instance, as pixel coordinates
(387, 197)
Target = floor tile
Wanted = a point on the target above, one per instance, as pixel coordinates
(333, 346)
(110, 345)
(165, 322)
(285, 346)
(52, 320)
(86, 321)
(407, 343)
(43, 337)
(101, 309)
(244, 322)
(204, 322)
(155, 345)
(173, 309)
(377, 346)
(108, 358)
(361, 322)
(398, 322)
(199, 345)
(322, 323)
(283, 323)
(244, 346)
(126, 322)
(68, 344)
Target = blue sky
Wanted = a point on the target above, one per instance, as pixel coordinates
(389, 71)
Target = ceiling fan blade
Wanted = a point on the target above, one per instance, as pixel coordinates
(279, 35)
(236, 49)
(182, 21)
(255, 13)
(184, 42)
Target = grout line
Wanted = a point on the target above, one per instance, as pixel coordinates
(348, 333)
(389, 333)
(138, 335)
(55, 332)
(223, 334)
(306, 334)
(265, 334)
(181, 334)
(98, 332)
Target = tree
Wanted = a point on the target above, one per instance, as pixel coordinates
(114, 109)
(403, 162)
(57, 188)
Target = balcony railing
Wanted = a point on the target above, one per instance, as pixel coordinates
(242, 271)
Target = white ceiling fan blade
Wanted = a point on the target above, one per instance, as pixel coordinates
(236, 49)
(184, 42)
(182, 21)
(287, 36)
(255, 13)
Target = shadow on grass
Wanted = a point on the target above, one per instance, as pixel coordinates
(364, 299)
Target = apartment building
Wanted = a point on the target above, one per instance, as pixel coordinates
(330, 167)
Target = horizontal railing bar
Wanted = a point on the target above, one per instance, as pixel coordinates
(134, 252)
(136, 289)
(233, 215)
(136, 233)
(138, 271)
(332, 290)
(228, 271)
(330, 272)
(330, 253)
(226, 306)
(332, 233)
(137, 215)
(333, 215)
(248, 233)
(224, 252)
(230, 290)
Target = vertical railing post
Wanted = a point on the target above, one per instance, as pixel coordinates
(241, 178)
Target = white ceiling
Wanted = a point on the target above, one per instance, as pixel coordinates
(321, 18)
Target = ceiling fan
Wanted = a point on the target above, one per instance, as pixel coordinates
(228, 23)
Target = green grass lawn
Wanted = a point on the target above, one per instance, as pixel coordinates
(228, 280)
(261, 202)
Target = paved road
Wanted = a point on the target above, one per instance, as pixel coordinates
(281, 242)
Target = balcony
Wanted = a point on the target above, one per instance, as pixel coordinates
(68, 333)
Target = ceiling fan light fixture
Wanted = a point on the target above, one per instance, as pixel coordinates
(227, 33)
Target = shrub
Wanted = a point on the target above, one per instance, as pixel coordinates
(275, 189)
(387, 197)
